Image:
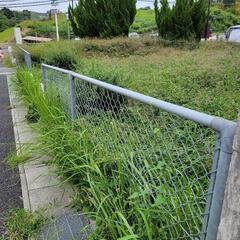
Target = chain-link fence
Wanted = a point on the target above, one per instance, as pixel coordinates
(167, 151)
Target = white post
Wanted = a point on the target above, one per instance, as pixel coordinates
(56, 22)
(68, 27)
(18, 35)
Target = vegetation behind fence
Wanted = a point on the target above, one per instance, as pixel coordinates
(134, 164)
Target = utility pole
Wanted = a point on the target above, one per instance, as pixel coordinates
(56, 22)
(54, 3)
(207, 21)
(68, 27)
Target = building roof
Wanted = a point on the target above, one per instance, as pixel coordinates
(36, 39)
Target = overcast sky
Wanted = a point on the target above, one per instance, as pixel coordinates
(63, 6)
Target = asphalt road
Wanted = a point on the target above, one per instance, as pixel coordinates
(10, 187)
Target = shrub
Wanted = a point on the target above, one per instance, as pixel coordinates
(185, 20)
(102, 18)
(221, 19)
(62, 59)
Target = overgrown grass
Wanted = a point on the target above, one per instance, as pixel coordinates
(22, 224)
(135, 167)
(14, 159)
(46, 28)
(140, 172)
(7, 62)
(144, 21)
(204, 77)
(6, 36)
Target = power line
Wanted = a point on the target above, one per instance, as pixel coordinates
(31, 4)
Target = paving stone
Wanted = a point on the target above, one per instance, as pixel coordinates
(38, 176)
(43, 197)
(68, 226)
(41, 188)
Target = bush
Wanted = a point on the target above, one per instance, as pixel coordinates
(102, 18)
(185, 20)
(221, 19)
(62, 59)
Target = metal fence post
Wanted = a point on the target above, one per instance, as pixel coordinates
(44, 78)
(211, 187)
(72, 97)
(225, 153)
(29, 60)
(230, 217)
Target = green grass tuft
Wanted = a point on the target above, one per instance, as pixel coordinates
(14, 159)
(22, 224)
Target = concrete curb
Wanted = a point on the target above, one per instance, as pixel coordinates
(41, 188)
(25, 195)
(40, 185)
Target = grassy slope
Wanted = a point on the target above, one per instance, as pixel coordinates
(6, 36)
(144, 21)
(45, 28)
(206, 78)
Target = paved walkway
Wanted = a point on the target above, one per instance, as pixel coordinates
(10, 187)
(42, 188)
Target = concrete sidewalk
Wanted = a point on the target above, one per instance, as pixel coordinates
(41, 187)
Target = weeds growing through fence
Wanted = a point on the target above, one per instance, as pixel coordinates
(141, 173)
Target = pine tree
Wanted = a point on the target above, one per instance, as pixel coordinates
(102, 18)
(185, 20)
(199, 18)
(163, 18)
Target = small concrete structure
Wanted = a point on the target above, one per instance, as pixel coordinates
(18, 35)
(31, 39)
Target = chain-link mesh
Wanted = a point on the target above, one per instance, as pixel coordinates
(166, 159)
(60, 83)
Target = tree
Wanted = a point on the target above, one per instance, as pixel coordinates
(163, 18)
(229, 3)
(3, 22)
(7, 12)
(185, 20)
(102, 18)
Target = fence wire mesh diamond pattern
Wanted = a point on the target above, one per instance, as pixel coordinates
(162, 161)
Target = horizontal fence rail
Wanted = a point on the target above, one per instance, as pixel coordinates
(132, 123)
